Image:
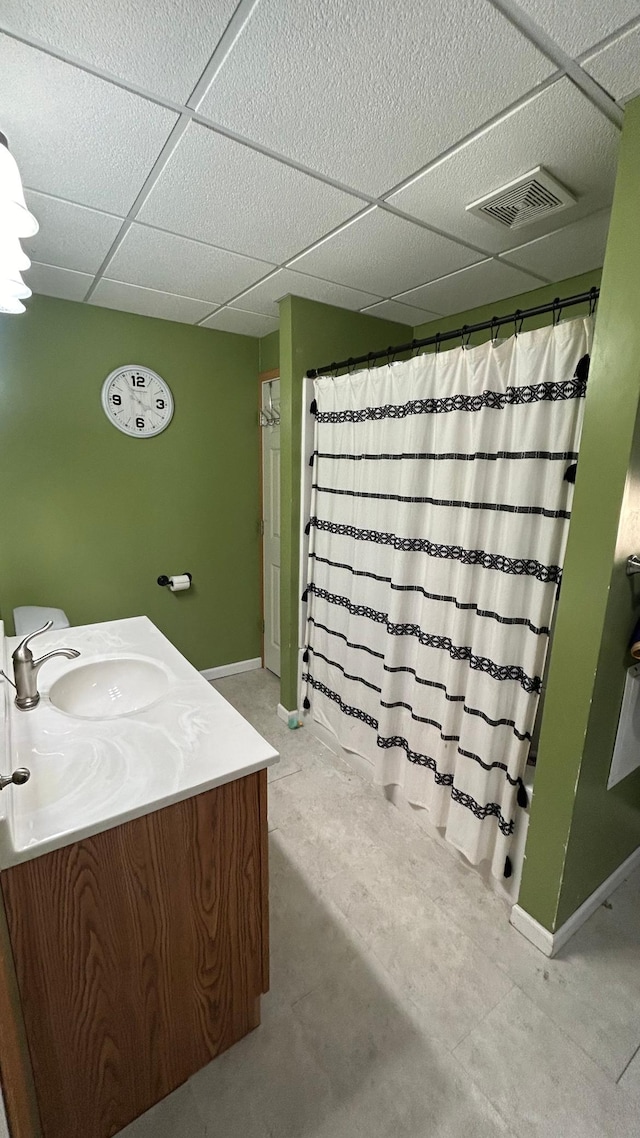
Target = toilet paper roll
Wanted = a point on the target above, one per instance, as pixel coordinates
(180, 582)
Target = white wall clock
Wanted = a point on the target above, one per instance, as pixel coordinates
(137, 401)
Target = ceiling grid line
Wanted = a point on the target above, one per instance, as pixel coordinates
(453, 247)
(581, 78)
(149, 182)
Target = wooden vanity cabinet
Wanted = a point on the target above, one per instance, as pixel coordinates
(140, 954)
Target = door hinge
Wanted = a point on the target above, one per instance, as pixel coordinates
(261, 527)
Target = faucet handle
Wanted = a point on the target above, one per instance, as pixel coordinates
(22, 650)
(18, 778)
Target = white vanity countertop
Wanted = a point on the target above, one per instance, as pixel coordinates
(90, 775)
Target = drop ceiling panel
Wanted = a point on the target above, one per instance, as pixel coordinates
(52, 281)
(228, 195)
(245, 323)
(151, 43)
(162, 261)
(617, 67)
(147, 302)
(76, 136)
(577, 248)
(469, 288)
(366, 92)
(385, 254)
(264, 297)
(402, 313)
(70, 235)
(576, 27)
(558, 129)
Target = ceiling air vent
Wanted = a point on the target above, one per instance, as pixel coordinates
(535, 195)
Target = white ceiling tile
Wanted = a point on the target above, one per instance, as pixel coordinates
(402, 313)
(76, 136)
(224, 193)
(245, 323)
(70, 235)
(577, 248)
(577, 27)
(155, 44)
(617, 67)
(52, 281)
(469, 288)
(167, 263)
(264, 297)
(366, 92)
(147, 302)
(385, 254)
(557, 128)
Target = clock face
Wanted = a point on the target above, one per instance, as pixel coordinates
(137, 401)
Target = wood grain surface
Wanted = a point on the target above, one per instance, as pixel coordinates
(15, 1069)
(139, 955)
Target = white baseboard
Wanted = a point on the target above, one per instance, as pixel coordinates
(231, 669)
(551, 943)
(288, 716)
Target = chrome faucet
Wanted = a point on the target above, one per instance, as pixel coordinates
(25, 669)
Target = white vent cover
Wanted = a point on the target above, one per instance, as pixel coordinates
(524, 200)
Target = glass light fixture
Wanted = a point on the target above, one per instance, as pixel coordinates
(16, 221)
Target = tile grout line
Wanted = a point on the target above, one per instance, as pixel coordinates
(627, 1065)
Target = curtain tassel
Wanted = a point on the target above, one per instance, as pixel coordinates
(307, 528)
(305, 656)
(313, 410)
(306, 704)
(582, 369)
(305, 596)
(522, 797)
(508, 867)
(311, 459)
(570, 472)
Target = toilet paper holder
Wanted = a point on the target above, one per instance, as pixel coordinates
(633, 565)
(164, 580)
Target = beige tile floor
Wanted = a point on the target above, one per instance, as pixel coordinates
(402, 1003)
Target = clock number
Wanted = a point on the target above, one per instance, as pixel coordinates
(117, 400)
(160, 404)
(137, 381)
(140, 423)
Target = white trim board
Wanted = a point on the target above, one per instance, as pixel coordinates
(287, 716)
(232, 669)
(551, 943)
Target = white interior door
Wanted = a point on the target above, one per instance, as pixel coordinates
(271, 525)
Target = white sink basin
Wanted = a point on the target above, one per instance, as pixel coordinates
(108, 689)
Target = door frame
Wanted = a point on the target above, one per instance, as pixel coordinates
(263, 377)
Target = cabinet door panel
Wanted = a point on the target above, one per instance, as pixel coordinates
(138, 954)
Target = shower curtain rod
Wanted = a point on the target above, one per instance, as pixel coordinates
(516, 318)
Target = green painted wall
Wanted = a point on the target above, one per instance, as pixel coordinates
(540, 295)
(311, 334)
(269, 359)
(579, 831)
(90, 517)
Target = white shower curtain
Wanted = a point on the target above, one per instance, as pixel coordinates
(437, 531)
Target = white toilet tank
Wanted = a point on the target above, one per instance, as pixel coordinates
(28, 618)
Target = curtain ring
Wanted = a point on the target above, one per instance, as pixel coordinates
(350, 364)
(334, 370)
(370, 358)
(465, 332)
(389, 355)
(518, 320)
(437, 343)
(593, 300)
(414, 344)
(557, 309)
(495, 326)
